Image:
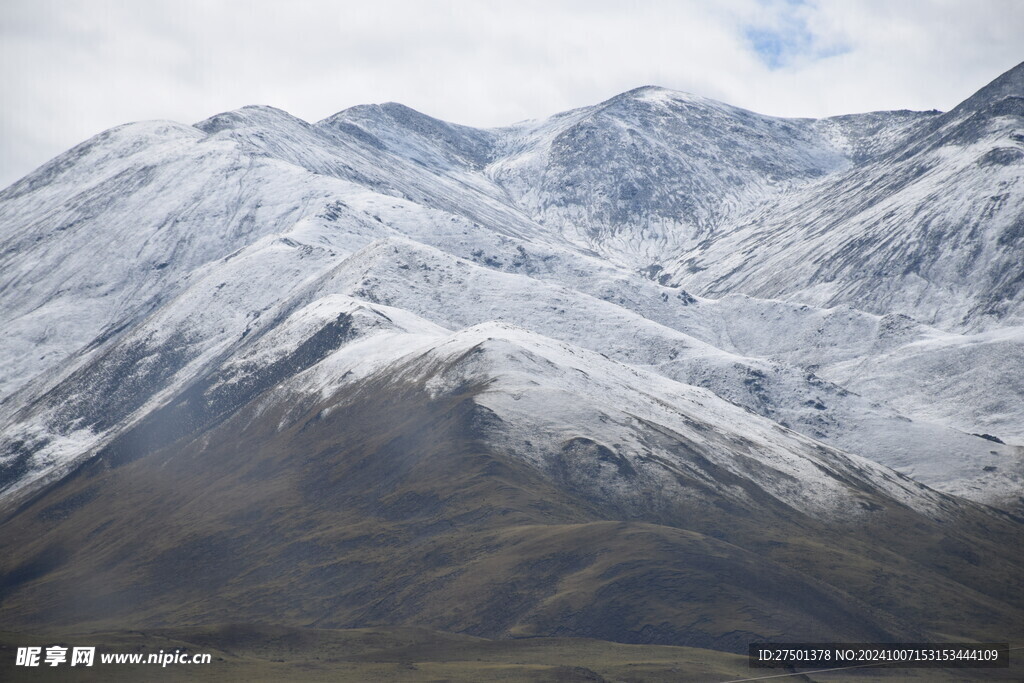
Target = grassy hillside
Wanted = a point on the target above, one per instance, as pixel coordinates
(390, 507)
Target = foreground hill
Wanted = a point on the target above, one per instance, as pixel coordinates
(497, 483)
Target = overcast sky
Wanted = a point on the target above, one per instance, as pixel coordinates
(70, 69)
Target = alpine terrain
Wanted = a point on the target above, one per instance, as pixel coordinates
(656, 371)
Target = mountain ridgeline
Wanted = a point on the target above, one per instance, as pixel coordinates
(656, 371)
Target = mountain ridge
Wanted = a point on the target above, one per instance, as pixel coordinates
(657, 370)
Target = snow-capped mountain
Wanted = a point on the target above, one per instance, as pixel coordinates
(930, 228)
(655, 305)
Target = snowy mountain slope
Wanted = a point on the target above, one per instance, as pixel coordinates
(662, 125)
(159, 199)
(456, 294)
(232, 303)
(348, 153)
(549, 392)
(384, 339)
(930, 229)
(256, 135)
(971, 382)
(974, 382)
(641, 176)
(179, 353)
(651, 172)
(414, 136)
(105, 233)
(865, 137)
(218, 302)
(582, 393)
(789, 333)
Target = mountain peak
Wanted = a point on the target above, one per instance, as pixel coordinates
(408, 132)
(644, 90)
(259, 115)
(388, 113)
(657, 94)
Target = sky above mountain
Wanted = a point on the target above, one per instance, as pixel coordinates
(70, 68)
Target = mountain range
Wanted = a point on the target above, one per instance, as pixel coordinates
(659, 370)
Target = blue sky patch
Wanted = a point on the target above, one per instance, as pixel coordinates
(788, 39)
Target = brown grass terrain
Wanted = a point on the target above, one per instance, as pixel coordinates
(392, 508)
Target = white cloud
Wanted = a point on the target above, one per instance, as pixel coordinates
(69, 69)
